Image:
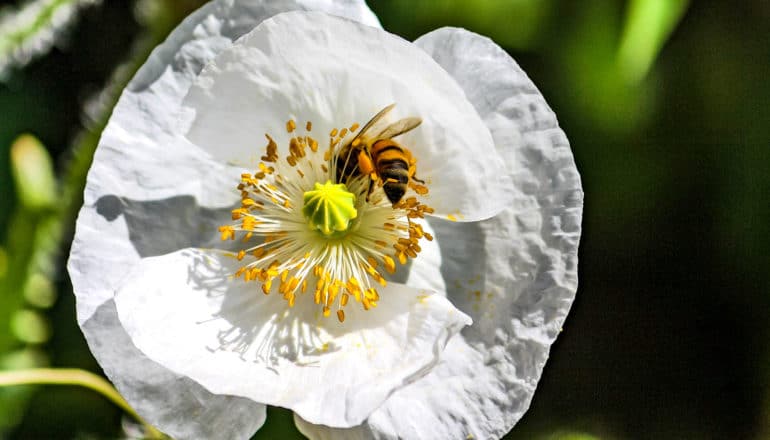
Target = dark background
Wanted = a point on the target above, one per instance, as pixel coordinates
(668, 335)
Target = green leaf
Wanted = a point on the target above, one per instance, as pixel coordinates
(13, 401)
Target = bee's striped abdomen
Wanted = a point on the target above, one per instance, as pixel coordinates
(393, 167)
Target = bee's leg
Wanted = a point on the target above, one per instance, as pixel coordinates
(365, 163)
(413, 171)
(369, 192)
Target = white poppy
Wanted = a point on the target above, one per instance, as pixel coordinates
(419, 302)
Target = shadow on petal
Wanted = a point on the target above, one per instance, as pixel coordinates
(263, 328)
(158, 227)
(162, 397)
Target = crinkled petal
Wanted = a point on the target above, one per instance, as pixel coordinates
(334, 72)
(183, 408)
(145, 196)
(187, 312)
(514, 274)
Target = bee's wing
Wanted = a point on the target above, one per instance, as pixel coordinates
(375, 125)
(399, 127)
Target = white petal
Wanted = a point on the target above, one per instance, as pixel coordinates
(186, 312)
(334, 72)
(183, 408)
(515, 274)
(145, 196)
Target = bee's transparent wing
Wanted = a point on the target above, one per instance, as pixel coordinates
(399, 127)
(376, 125)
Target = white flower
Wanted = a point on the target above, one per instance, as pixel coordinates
(200, 353)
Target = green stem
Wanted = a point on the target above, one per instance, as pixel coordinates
(74, 376)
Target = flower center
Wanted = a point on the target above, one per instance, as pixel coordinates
(329, 207)
(328, 240)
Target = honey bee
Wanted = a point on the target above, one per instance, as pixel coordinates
(373, 152)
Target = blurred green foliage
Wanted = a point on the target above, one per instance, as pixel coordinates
(666, 106)
(32, 28)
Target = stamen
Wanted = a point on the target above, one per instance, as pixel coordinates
(340, 238)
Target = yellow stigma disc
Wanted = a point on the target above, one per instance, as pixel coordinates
(329, 207)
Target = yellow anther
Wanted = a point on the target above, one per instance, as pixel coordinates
(241, 254)
(309, 126)
(354, 127)
(343, 132)
(249, 223)
(266, 286)
(344, 299)
(341, 315)
(238, 212)
(372, 294)
(370, 270)
(227, 232)
(390, 265)
(327, 311)
(333, 132)
(272, 150)
(290, 125)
